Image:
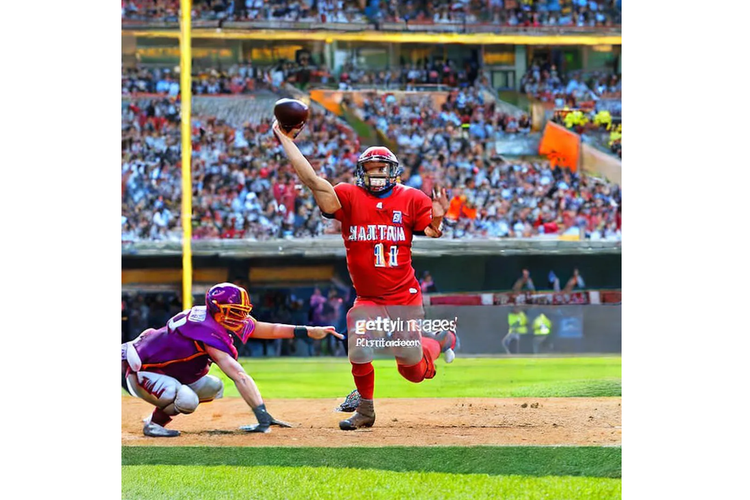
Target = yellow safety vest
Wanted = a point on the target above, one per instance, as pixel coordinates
(517, 322)
(542, 325)
(603, 117)
(614, 136)
(570, 120)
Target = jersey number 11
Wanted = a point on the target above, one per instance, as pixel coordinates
(380, 256)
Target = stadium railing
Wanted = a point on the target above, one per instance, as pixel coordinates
(393, 86)
(332, 246)
(541, 297)
(411, 26)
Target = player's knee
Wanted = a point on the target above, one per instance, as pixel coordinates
(409, 357)
(425, 369)
(211, 388)
(186, 400)
(216, 387)
(131, 382)
(169, 394)
(414, 373)
(362, 369)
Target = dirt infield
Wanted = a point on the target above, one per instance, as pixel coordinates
(400, 422)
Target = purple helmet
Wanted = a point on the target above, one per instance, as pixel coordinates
(230, 306)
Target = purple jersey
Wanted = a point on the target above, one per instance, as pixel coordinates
(179, 349)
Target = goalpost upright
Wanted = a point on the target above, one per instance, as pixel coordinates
(186, 8)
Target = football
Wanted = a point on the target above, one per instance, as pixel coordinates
(291, 113)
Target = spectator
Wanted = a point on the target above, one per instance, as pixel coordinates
(603, 119)
(427, 284)
(332, 314)
(615, 140)
(307, 347)
(542, 327)
(517, 327)
(553, 281)
(524, 282)
(575, 282)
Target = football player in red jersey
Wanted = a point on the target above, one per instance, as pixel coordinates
(378, 219)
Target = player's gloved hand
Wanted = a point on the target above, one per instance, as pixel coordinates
(265, 421)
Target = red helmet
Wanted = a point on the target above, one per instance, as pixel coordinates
(377, 183)
(230, 306)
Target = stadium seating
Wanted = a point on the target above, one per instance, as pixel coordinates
(244, 187)
(433, 15)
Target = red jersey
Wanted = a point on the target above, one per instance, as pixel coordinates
(377, 235)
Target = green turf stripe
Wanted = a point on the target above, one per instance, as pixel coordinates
(465, 377)
(493, 460)
(223, 482)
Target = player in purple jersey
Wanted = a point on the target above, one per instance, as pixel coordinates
(169, 367)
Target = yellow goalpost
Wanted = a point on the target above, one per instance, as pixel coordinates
(186, 6)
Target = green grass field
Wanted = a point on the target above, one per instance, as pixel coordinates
(442, 472)
(223, 482)
(465, 377)
(511, 473)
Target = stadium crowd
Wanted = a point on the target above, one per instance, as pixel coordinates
(523, 199)
(543, 82)
(415, 123)
(236, 79)
(526, 13)
(507, 12)
(243, 187)
(248, 78)
(451, 146)
(410, 76)
(588, 103)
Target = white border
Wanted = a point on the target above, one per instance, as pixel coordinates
(61, 249)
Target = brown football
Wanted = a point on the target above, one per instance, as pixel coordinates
(291, 113)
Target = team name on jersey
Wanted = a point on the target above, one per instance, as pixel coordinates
(198, 314)
(376, 232)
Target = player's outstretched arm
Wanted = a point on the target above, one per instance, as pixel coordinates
(248, 390)
(322, 190)
(244, 382)
(280, 331)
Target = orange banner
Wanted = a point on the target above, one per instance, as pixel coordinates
(561, 146)
(331, 100)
